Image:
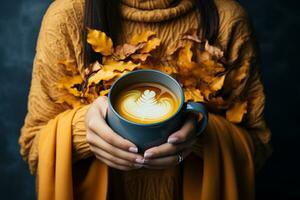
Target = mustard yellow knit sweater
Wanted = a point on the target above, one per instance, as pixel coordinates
(60, 39)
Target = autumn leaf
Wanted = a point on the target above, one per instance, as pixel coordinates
(123, 51)
(193, 94)
(101, 75)
(150, 45)
(185, 54)
(140, 57)
(100, 42)
(236, 112)
(218, 83)
(120, 66)
(214, 51)
(140, 38)
(104, 92)
(71, 84)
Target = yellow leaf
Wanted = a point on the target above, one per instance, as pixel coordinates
(236, 112)
(70, 84)
(104, 92)
(168, 69)
(193, 94)
(140, 38)
(100, 42)
(150, 45)
(185, 54)
(120, 66)
(140, 57)
(218, 83)
(101, 75)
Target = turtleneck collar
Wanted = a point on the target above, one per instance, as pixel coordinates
(154, 10)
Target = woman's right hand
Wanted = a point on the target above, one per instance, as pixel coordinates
(108, 146)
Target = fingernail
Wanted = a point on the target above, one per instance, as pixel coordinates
(133, 149)
(140, 161)
(148, 155)
(138, 165)
(172, 140)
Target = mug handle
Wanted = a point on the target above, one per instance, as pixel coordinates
(199, 108)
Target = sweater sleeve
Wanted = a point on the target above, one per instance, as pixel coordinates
(55, 44)
(243, 83)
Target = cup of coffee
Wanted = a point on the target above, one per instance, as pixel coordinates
(146, 106)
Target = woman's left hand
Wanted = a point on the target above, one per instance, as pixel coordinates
(179, 143)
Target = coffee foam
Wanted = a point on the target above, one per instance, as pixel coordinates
(147, 106)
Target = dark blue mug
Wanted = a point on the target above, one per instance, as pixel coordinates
(146, 136)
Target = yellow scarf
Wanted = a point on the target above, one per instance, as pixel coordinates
(226, 170)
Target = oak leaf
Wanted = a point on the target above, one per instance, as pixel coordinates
(150, 45)
(100, 42)
(193, 94)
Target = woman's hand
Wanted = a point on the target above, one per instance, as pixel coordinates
(107, 146)
(179, 143)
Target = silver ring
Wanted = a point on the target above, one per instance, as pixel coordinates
(180, 158)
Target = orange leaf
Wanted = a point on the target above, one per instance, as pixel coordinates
(140, 38)
(120, 66)
(185, 54)
(70, 83)
(104, 92)
(100, 42)
(236, 112)
(150, 45)
(193, 94)
(140, 57)
(218, 83)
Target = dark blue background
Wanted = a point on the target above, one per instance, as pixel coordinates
(277, 27)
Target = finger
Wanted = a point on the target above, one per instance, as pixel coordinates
(167, 149)
(117, 161)
(100, 127)
(186, 132)
(165, 162)
(113, 165)
(95, 140)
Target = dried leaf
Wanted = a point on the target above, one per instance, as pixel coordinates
(120, 66)
(218, 83)
(93, 68)
(71, 84)
(140, 57)
(185, 55)
(101, 75)
(140, 38)
(193, 94)
(100, 42)
(123, 51)
(214, 51)
(150, 45)
(236, 112)
(104, 92)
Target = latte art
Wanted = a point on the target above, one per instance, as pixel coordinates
(147, 103)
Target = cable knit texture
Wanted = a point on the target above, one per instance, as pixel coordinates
(60, 39)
